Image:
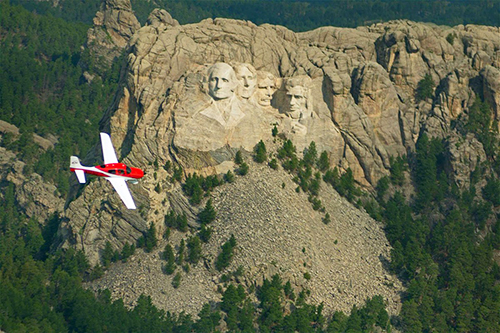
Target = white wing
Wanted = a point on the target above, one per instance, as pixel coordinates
(81, 176)
(122, 189)
(108, 152)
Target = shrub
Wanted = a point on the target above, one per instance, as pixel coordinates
(273, 164)
(229, 177)
(425, 88)
(176, 281)
(243, 169)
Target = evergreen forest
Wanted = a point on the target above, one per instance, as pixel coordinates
(444, 239)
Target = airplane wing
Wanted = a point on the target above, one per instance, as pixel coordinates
(108, 151)
(81, 176)
(122, 189)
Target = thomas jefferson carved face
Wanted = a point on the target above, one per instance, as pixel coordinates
(247, 77)
(221, 81)
(265, 90)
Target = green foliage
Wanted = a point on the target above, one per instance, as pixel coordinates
(480, 123)
(181, 252)
(273, 164)
(168, 166)
(169, 257)
(194, 249)
(205, 233)
(42, 92)
(176, 221)
(344, 184)
(288, 150)
(237, 315)
(310, 155)
(436, 250)
(208, 320)
(243, 169)
(107, 254)
(323, 162)
(316, 203)
(208, 214)
(429, 171)
(176, 281)
(398, 166)
(274, 131)
(224, 258)
(382, 187)
(297, 16)
(260, 152)
(491, 191)
(425, 88)
(178, 173)
(238, 158)
(192, 188)
(229, 177)
(149, 240)
(195, 187)
(127, 251)
(326, 219)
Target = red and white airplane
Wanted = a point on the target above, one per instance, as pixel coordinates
(117, 173)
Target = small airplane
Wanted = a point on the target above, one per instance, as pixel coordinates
(117, 173)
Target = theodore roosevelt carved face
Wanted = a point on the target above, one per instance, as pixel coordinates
(222, 81)
(266, 87)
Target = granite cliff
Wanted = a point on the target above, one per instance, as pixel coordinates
(192, 95)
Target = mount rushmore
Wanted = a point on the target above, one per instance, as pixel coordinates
(193, 95)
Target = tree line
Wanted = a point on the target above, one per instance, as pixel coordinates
(297, 15)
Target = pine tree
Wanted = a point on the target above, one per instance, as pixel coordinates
(208, 214)
(323, 162)
(238, 159)
(260, 152)
(194, 250)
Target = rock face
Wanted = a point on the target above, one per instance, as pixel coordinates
(35, 197)
(193, 95)
(114, 25)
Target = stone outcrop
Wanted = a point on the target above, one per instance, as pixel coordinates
(114, 25)
(35, 197)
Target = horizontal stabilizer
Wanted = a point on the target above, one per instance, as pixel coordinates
(81, 176)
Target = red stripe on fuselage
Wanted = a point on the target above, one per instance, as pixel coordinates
(115, 170)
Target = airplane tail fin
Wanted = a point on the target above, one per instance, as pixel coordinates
(74, 162)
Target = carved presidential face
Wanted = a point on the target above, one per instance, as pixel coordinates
(247, 79)
(221, 81)
(297, 101)
(265, 91)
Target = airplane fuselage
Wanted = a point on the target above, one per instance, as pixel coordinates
(112, 170)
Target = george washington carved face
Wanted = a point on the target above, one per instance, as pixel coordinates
(222, 81)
